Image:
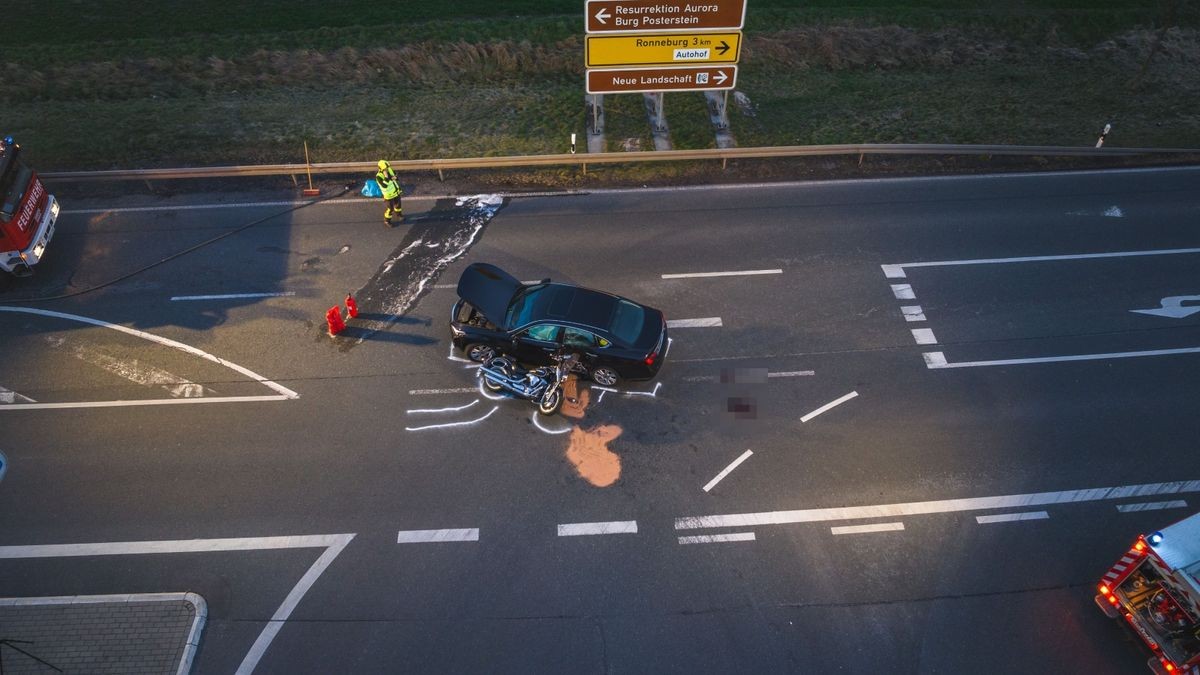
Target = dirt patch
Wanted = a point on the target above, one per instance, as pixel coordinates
(588, 451)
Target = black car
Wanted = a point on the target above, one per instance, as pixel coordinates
(616, 338)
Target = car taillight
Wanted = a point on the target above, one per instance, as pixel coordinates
(650, 359)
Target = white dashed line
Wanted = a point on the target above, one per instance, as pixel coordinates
(727, 470)
(935, 360)
(828, 406)
(913, 313)
(436, 536)
(709, 322)
(719, 274)
(717, 538)
(903, 292)
(232, 296)
(793, 373)
(867, 529)
(611, 527)
(924, 336)
(1012, 517)
(940, 506)
(1152, 506)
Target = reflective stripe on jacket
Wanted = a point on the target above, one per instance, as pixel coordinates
(388, 184)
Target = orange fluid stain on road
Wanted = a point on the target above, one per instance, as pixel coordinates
(588, 451)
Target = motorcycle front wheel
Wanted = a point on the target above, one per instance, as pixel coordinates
(551, 402)
(491, 385)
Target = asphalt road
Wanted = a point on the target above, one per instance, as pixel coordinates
(912, 360)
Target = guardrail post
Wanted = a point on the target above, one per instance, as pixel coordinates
(441, 178)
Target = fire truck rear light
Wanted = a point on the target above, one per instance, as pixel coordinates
(1112, 600)
(1104, 589)
(1140, 546)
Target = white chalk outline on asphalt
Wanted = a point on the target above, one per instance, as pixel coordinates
(866, 529)
(829, 406)
(937, 360)
(691, 275)
(284, 393)
(199, 607)
(717, 538)
(333, 544)
(553, 432)
(896, 271)
(609, 527)
(727, 470)
(1012, 517)
(442, 410)
(939, 506)
(437, 536)
(453, 424)
(706, 322)
(232, 296)
(1152, 506)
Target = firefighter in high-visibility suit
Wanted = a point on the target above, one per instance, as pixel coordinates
(392, 192)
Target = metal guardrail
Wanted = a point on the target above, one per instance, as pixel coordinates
(441, 165)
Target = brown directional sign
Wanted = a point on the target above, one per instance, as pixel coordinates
(660, 16)
(686, 78)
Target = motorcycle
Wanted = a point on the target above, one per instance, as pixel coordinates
(543, 385)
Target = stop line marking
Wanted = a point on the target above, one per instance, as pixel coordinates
(897, 271)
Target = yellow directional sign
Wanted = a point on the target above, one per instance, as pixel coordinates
(604, 51)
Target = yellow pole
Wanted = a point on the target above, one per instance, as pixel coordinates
(307, 166)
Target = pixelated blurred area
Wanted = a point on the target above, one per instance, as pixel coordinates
(743, 376)
(743, 408)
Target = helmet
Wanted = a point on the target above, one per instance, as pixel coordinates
(383, 164)
(8, 140)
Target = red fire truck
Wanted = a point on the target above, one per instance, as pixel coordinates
(1155, 588)
(27, 213)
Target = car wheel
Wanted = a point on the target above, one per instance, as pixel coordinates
(604, 376)
(479, 352)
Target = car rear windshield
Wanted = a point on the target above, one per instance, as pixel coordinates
(627, 321)
(520, 312)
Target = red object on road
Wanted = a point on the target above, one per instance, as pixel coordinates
(351, 306)
(334, 318)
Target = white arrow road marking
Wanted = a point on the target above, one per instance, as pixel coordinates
(283, 393)
(132, 369)
(1172, 307)
(602, 16)
(10, 396)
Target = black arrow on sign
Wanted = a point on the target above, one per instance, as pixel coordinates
(723, 48)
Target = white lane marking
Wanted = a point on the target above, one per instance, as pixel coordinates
(793, 373)
(132, 369)
(903, 292)
(231, 296)
(940, 506)
(428, 392)
(828, 406)
(913, 313)
(866, 529)
(1114, 212)
(333, 544)
(935, 360)
(1041, 258)
(553, 432)
(149, 401)
(893, 271)
(441, 410)
(720, 274)
(1152, 506)
(709, 322)
(250, 662)
(287, 393)
(437, 536)
(924, 336)
(1012, 517)
(611, 527)
(453, 424)
(10, 396)
(717, 538)
(727, 470)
